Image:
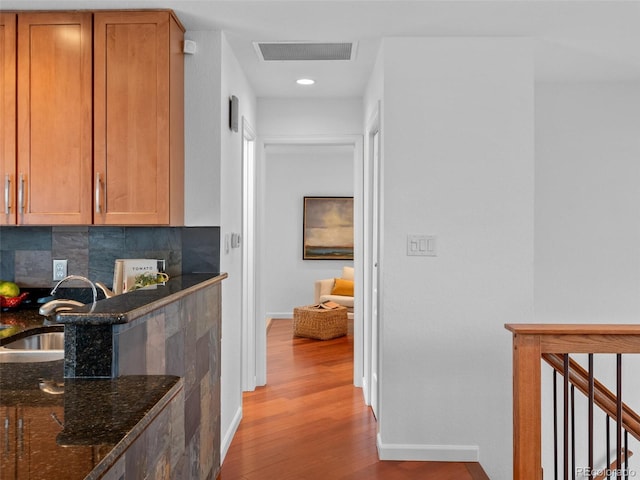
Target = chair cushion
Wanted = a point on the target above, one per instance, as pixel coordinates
(343, 287)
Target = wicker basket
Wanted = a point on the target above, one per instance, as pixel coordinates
(319, 323)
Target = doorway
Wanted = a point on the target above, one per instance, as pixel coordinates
(263, 276)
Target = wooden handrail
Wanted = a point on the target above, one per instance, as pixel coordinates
(602, 396)
(530, 342)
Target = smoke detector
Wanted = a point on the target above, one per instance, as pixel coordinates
(304, 51)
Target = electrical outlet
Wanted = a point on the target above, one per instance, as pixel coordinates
(59, 269)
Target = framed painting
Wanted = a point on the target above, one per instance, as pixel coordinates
(327, 228)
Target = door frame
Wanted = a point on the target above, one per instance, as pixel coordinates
(372, 298)
(248, 256)
(259, 331)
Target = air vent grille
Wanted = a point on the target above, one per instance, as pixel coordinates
(290, 51)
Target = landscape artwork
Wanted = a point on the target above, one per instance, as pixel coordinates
(328, 228)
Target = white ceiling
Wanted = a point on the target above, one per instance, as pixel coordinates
(575, 40)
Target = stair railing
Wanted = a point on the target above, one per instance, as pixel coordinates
(554, 343)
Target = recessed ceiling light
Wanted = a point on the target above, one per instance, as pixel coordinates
(305, 81)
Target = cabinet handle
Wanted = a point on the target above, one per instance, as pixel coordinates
(20, 447)
(21, 194)
(56, 419)
(98, 208)
(7, 445)
(7, 194)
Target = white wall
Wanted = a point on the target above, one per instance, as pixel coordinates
(293, 172)
(587, 196)
(235, 83)
(309, 116)
(587, 247)
(457, 161)
(202, 129)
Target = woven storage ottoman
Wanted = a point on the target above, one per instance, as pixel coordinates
(319, 323)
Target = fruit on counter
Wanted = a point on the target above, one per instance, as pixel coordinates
(12, 302)
(9, 289)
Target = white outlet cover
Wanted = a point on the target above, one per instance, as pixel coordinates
(59, 269)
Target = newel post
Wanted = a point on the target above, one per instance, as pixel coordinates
(527, 437)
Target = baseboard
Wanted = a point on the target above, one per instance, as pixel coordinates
(365, 392)
(229, 434)
(428, 453)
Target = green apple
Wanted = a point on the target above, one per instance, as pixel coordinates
(9, 289)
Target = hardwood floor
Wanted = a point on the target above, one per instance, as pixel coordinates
(310, 422)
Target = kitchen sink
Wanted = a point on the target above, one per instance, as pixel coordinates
(39, 341)
(40, 347)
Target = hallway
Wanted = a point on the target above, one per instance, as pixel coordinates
(310, 422)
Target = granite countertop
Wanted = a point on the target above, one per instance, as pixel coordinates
(116, 310)
(127, 307)
(85, 423)
(13, 322)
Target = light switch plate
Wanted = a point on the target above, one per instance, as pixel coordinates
(421, 246)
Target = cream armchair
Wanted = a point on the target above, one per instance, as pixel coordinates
(324, 290)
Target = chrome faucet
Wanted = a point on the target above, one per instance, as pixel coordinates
(54, 306)
(77, 277)
(57, 305)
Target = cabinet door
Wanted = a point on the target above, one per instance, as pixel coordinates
(54, 118)
(134, 53)
(42, 425)
(8, 118)
(8, 445)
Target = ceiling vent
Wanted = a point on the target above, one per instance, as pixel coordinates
(304, 51)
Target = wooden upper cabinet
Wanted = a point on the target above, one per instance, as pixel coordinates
(92, 118)
(138, 118)
(8, 118)
(54, 154)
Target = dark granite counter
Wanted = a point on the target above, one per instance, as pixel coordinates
(132, 305)
(132, 419)
(117, 310)
(73, 428)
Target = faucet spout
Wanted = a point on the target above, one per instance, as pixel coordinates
(78, 277)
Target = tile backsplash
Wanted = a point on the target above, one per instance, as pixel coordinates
(27, 253)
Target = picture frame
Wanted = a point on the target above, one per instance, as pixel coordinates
(327, 228)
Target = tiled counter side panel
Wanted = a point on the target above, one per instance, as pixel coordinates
(183, 339)
(158, 452)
